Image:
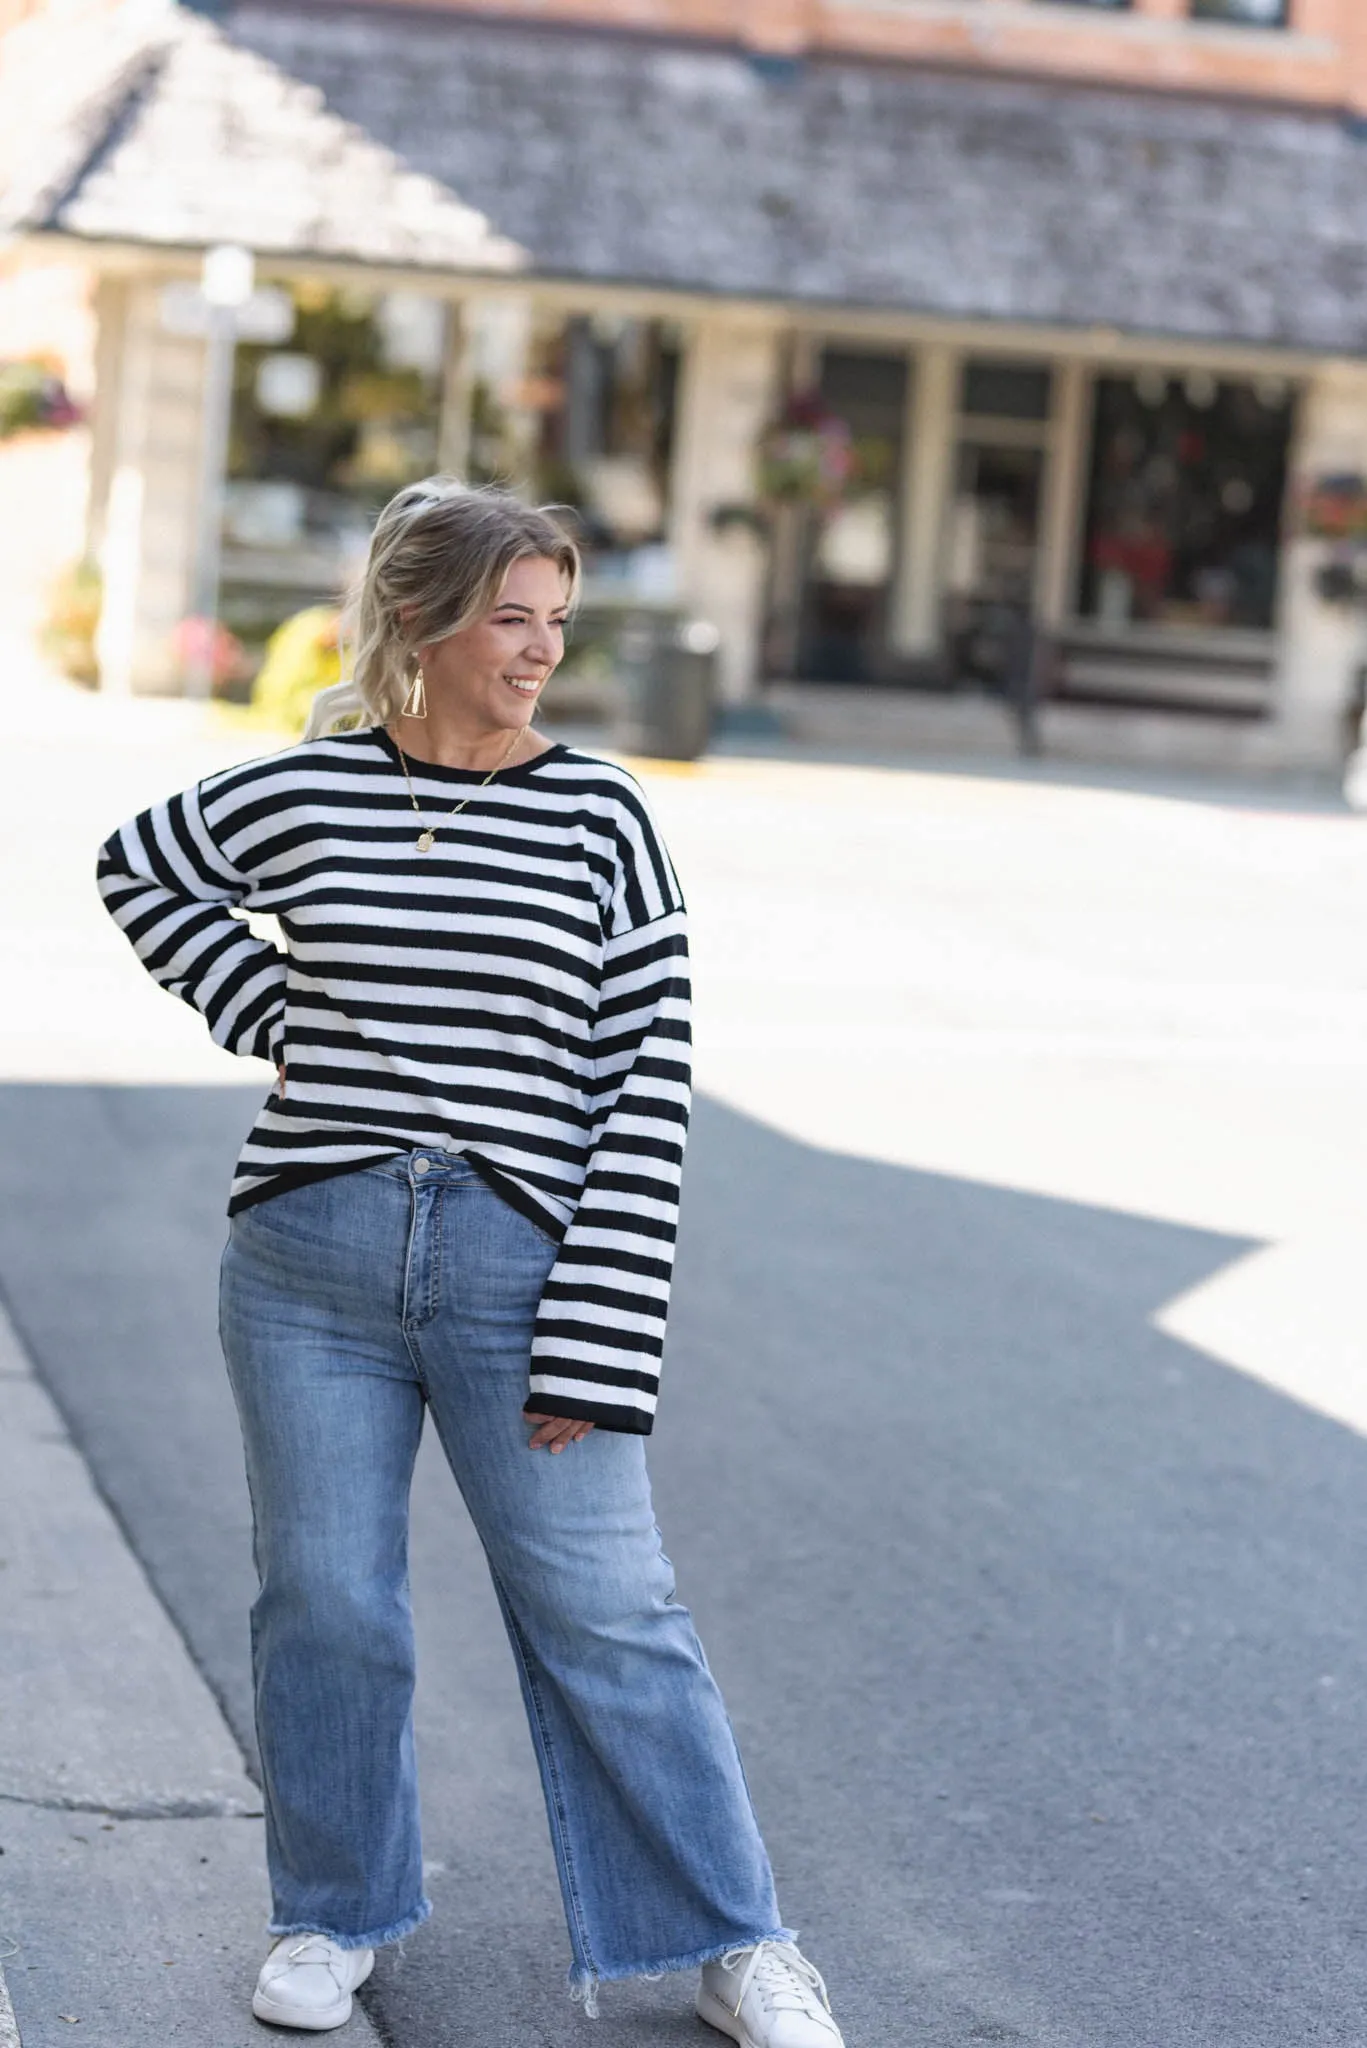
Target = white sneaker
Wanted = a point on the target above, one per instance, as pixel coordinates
(769, 1996)
(307, 1981)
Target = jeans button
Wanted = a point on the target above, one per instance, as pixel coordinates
(422, 1166)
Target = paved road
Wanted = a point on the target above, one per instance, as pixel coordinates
(1042, 1631)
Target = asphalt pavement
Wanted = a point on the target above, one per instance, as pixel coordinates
(1041, 1629)
(1011, 1455)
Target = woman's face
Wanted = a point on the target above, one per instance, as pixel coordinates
(494, 670)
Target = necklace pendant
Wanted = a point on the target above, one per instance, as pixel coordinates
(426, 841)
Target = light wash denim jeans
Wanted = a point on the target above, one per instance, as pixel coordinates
(349, 1305)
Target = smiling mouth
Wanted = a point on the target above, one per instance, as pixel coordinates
(526, 686)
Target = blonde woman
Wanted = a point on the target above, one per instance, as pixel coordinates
(461, 1197)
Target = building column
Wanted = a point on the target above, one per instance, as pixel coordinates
(1320, 644)
(728, 393)
(927, 467)
(111, 310)
(457, 387)
(145, 520)
(1065, 484)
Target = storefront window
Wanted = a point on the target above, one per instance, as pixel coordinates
(580, 411)
(324, 430)
(1254, 13)
(995, 389)
(851, 551)
(1185, 501)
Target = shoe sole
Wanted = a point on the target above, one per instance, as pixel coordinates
(323, 2022)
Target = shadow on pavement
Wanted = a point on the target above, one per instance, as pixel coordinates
(1041, 1631)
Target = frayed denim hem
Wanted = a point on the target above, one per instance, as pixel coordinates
(584, 1983)
(381, 1937)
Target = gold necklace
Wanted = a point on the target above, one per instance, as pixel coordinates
(427, 838)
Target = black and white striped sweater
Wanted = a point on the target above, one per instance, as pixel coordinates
(519, 993)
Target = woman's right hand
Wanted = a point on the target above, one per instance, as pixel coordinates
(280, 1070)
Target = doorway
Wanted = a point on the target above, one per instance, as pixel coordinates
(849, 553)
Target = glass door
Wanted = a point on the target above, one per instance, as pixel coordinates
(994, 525)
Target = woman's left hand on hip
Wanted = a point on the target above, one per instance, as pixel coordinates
(554, 1432)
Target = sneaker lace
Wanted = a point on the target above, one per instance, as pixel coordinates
(781, 1974)
(300, 1952)
(322, 1952)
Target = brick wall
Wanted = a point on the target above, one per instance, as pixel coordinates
(1320, 59)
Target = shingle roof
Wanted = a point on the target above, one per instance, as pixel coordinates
(175, 135)
(626, 158)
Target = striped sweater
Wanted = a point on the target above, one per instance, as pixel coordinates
(518, 994)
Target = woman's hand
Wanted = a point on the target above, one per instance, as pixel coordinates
(280, 1070)
(554, 1432)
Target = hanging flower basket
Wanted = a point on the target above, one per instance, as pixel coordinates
(1334, 507)
(32, 396)
(807, 457)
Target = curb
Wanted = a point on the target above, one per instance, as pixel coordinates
(9, 2025)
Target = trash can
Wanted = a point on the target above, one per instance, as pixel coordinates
(667, 678)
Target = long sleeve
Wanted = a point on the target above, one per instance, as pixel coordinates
(600, 1330)
(171, 890)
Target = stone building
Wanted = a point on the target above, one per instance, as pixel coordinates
(1071, 295)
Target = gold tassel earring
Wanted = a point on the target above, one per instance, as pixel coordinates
(415, 704)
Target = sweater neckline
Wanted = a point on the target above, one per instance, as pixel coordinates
(434, 771)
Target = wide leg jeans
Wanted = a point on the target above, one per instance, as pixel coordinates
(349, 1306)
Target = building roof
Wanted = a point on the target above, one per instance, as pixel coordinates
(635, 160)
(154, 127)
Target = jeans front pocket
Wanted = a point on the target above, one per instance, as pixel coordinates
(306, 1213)
(334, 1246)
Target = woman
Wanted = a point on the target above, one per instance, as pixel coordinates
(461, 1196)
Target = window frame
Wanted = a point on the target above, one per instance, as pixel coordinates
(1171, 636)
(1198, 18)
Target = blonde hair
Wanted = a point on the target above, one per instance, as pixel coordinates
(438, 558)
